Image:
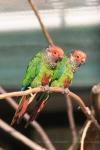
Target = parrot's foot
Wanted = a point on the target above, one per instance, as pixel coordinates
(31, 93)
(66, 91)
(45, 88)
(32, 96)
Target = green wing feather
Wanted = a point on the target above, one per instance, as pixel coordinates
(59, 69)
(62, 72)
(44, 70)
(32, 70)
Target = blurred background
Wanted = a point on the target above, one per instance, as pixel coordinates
(73, 24)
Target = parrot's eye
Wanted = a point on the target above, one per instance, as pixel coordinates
(55, 53)
(77, 56)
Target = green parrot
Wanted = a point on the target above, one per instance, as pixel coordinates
(38, 73)
(64, 72)
(62, 77)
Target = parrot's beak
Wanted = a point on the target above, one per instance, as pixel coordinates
(61, 54)
(61, 57)
(83, 61)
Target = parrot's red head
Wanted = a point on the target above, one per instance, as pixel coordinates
(78, 56)
(56, 52)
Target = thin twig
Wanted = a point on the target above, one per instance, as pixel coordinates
(75, 97)
(34, 124)
(45, 32)
(19, 136)
(71, 119)
(84, 134)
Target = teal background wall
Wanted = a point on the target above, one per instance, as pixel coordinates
(17, 48)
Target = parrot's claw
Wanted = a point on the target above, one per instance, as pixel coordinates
(66, 91)
(45, 88)
(31, 93)
(32, 96)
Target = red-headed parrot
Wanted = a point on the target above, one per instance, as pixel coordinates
(38, 73)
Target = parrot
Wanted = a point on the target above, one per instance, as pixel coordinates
(64, 72)
(38, 74)
(62, 77)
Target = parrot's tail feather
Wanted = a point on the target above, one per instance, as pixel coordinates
(33, 115)
(21, 110)
(38, 108)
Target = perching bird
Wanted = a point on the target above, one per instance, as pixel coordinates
(38, 73)
(62, 77)
(64, 72)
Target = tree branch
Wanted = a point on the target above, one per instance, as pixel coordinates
(29, 91)
(85, 109)
(45, 32)
(95, 98)
(1, 148)
(34, 124)
(84, 134)
(19, 136)
(71, 120)
(75, 97)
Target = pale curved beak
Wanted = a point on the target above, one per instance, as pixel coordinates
(62, 55)
(83, 61)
